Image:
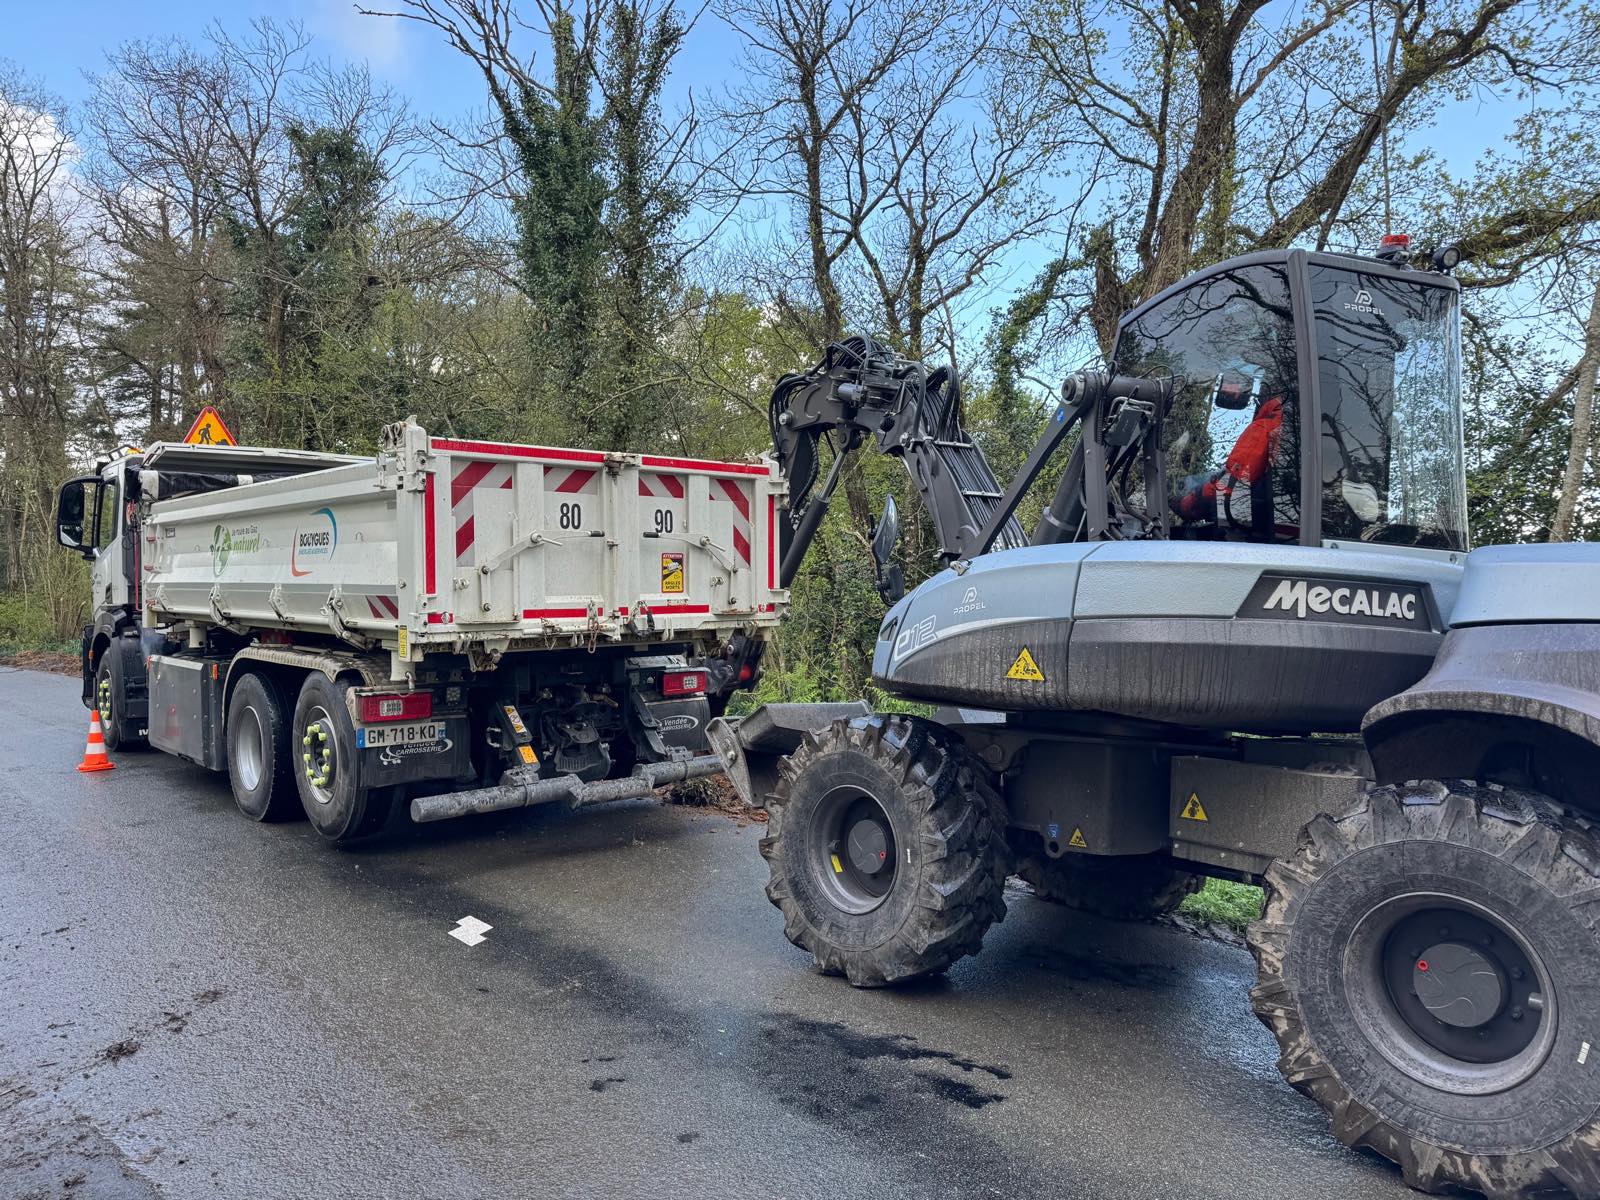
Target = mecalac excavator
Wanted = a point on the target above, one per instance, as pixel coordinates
(1247, 639)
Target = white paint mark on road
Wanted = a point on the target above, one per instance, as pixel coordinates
(470, 930)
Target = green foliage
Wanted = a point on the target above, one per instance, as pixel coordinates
(303, 303)
(1225, 903)
(28, 622)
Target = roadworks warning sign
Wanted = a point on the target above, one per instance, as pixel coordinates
(1194, 810)
(208, 430)
(1025, 668)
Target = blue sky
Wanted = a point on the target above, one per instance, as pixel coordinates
(60, 41)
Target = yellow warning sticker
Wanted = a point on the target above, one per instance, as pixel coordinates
(838, 867)
(1025, 668)
(1194, 810)
(528, 755)
(208, 430)
(1076, 840)
(405, 640)
(672, 571)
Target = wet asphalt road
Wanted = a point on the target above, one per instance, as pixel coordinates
(192, 1005)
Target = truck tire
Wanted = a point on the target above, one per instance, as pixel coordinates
(324, 741)
(260, 765)
(1430, 967)
(110, 699)
(1123, 887)
(885, 792)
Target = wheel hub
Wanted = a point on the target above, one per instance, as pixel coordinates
(1450, 993)
(1459, 985)
(317, 757)
(868, 846)
(854, 853)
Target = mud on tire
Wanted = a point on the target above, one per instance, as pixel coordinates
(885, 791)
(1351, 1007)
(1126, 888)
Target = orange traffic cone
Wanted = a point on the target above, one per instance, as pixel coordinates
(94, 754)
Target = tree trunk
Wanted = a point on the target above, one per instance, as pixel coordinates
(1583, 397)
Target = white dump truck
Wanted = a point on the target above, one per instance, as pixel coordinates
(464, 625)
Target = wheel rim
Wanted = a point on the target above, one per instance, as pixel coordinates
(1452, 994)
(319, 754)
(855, 857)
(103, 699)
(249, 748)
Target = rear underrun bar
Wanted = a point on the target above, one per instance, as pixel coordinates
(519, 790)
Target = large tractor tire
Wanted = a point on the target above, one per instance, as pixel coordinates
(1125, 888)
(1430, 967)
(887, 849)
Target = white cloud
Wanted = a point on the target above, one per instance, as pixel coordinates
(379, 41)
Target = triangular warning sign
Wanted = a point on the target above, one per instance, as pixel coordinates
(1194, 810)
(208, 430)
(1077, 841)
(1025, 668)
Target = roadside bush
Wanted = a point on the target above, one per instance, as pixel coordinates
(27, 623)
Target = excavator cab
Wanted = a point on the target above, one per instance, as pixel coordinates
(1263, 348)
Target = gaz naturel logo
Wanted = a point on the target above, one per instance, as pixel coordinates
(314, 542)
(226, 542)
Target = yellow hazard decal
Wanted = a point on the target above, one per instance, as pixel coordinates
(208, 430)
(405, 639)
(1194, 810)
(672, 572)
(528, 756)
(1076, 840)
(1025, 668)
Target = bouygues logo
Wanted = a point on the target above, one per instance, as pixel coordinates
(314, 542)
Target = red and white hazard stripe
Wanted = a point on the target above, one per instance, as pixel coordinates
(731, 491)
(663, 487)
(467, 476)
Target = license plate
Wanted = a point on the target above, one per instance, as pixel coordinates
(372, 737)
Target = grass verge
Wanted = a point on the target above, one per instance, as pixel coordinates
(1221, 902)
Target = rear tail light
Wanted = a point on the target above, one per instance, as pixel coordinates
(402, 706)
(683, 683)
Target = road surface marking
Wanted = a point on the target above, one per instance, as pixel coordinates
(469, 930)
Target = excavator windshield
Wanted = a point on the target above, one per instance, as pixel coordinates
(1389, 379)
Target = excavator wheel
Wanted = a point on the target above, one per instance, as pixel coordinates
(1430, 966)
(1125, 888)
(887, 849)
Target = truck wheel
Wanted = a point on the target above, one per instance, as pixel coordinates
(110, 699)
(1430, 966)
(887, 849)
(324, 740)
(1124, 887)
(260, 766)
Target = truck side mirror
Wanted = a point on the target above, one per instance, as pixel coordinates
(73, 510)
(885, 535)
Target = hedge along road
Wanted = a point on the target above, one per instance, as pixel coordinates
(192, 1005)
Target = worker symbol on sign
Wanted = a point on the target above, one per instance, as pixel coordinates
(1194, 810)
